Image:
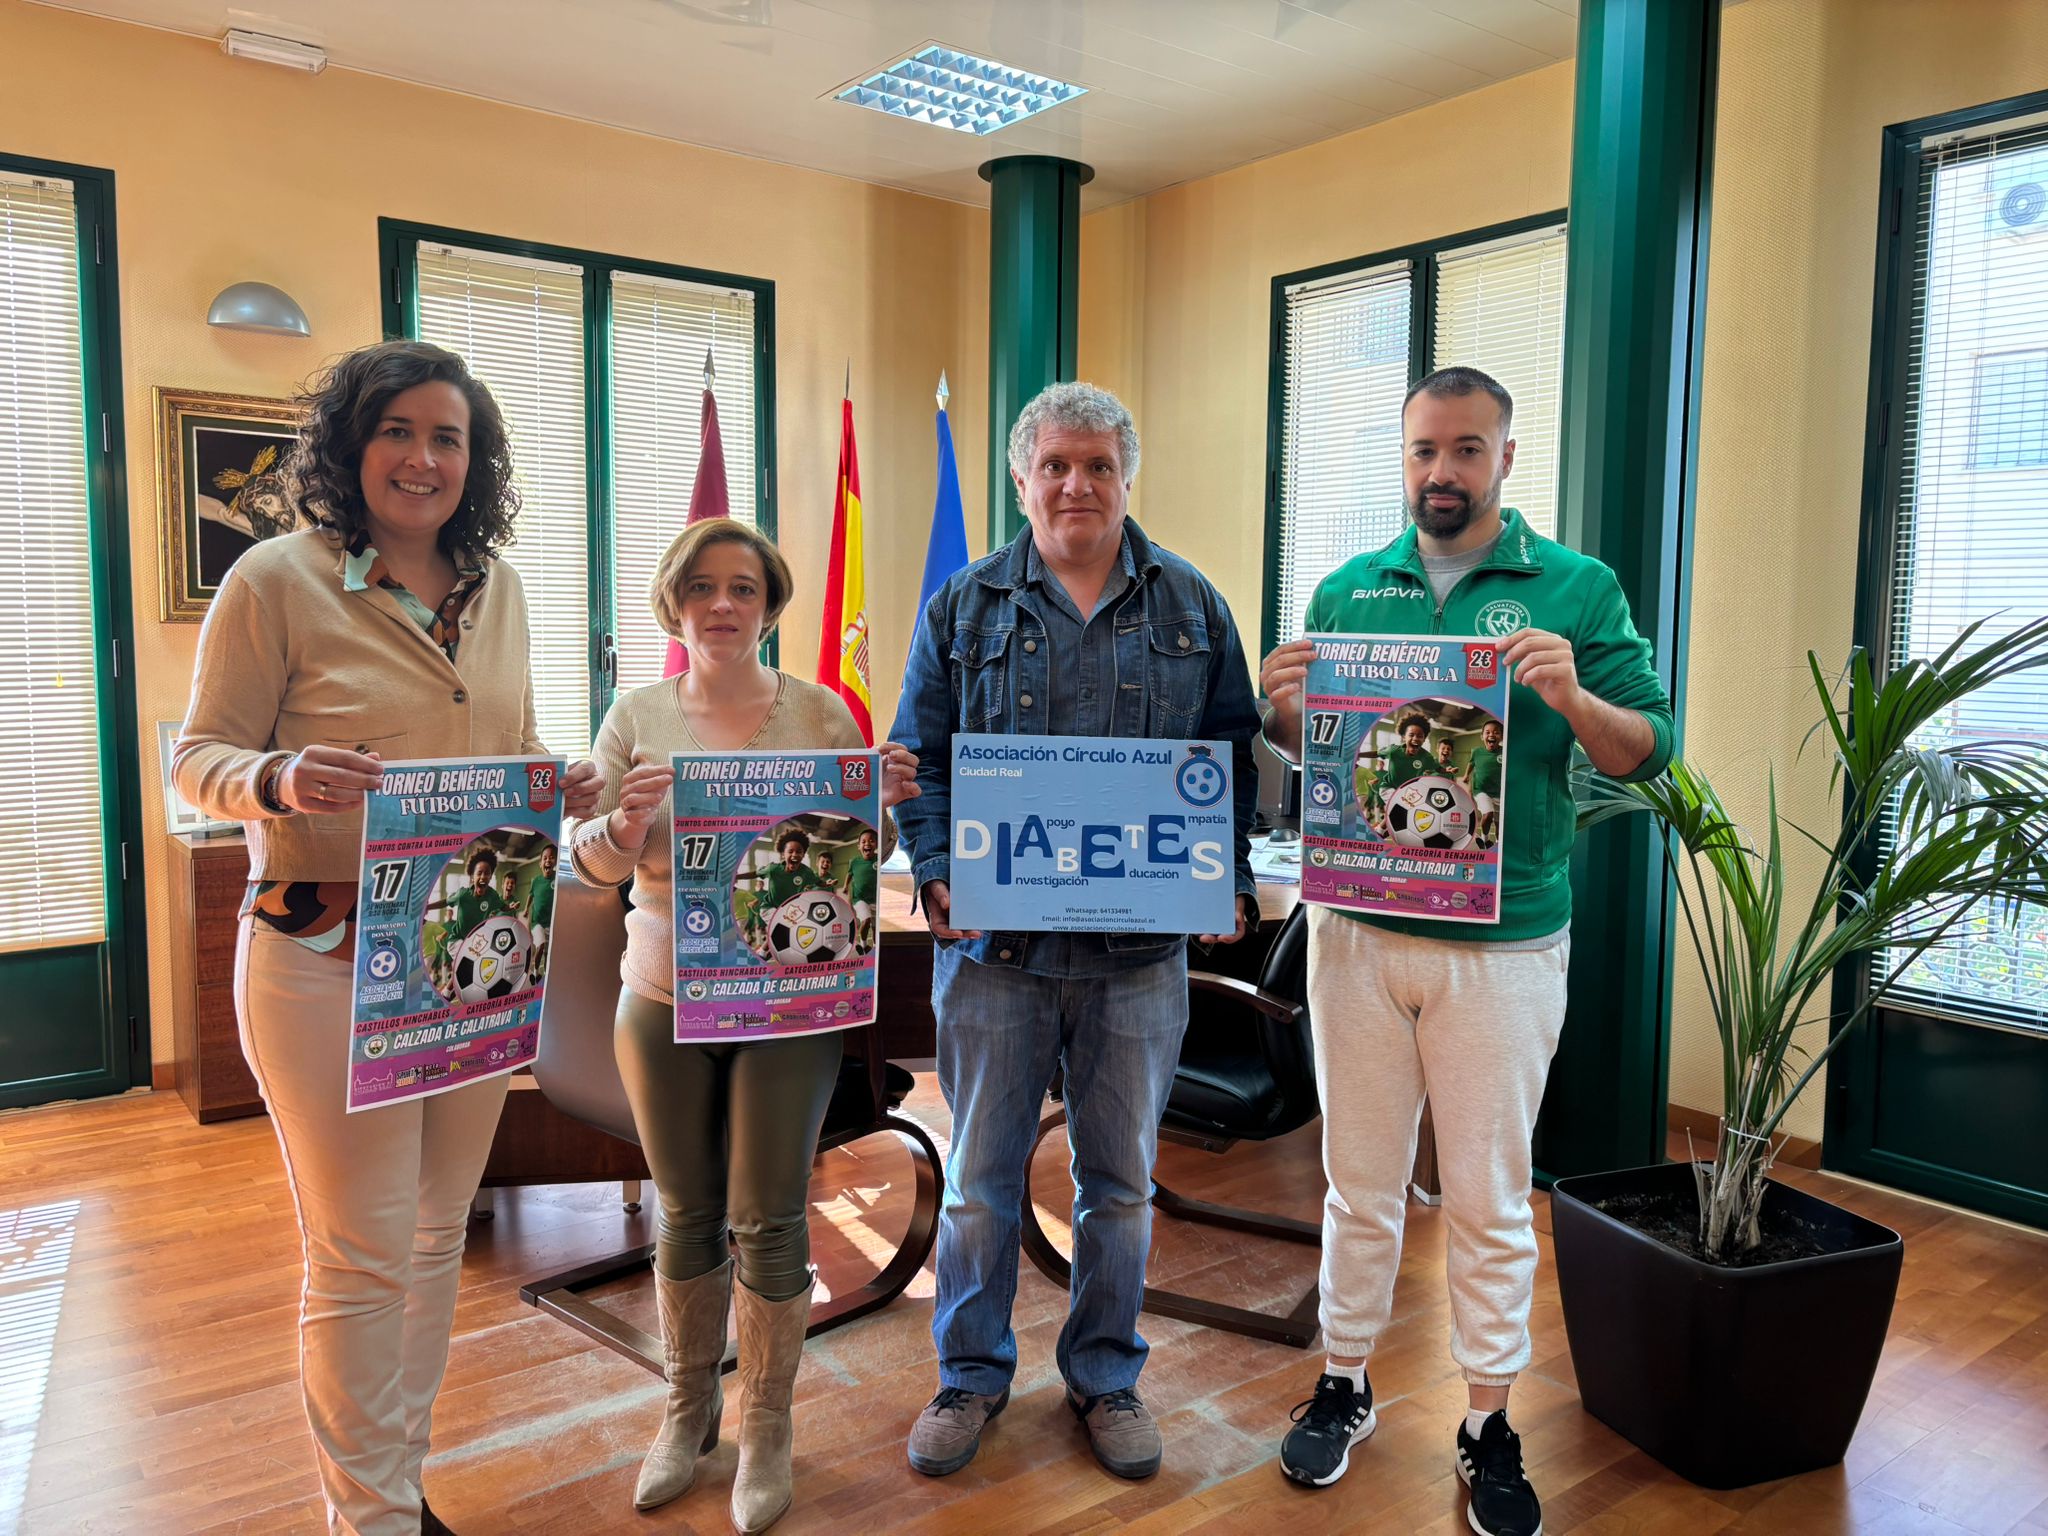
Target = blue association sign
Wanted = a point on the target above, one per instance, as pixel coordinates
(1084, 834)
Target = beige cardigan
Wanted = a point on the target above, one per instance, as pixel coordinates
(647, 725)
(289, 659)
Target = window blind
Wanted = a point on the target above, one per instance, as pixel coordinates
(518, 322)
(1971, 495)
(1500, 309)
(661, 330)
(1345, 368)
(50, 839)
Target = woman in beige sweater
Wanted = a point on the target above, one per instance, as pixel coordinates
(386, 631)
(729, 1130)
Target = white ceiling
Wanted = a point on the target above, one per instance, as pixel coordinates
(1176, 88)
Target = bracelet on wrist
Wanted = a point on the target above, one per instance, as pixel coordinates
(266, 787)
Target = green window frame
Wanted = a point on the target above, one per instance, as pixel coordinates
(399, 243)
(1421, 266)
(1938, 1092)
(1952, 492)
(124, 981)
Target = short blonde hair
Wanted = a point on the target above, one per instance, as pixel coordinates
(667, 590)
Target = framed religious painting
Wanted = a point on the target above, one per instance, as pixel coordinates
(220, 488)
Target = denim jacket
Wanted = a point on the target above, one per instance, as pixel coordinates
(980, 662)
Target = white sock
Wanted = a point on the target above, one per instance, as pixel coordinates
(1355, 1374)
(1475, 1419)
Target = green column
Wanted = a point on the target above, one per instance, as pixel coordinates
(1642, 145)
(1034, 267)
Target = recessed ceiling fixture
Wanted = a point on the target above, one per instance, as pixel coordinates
(265, 49)
(957, 90)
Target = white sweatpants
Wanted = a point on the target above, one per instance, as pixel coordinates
(383, 1204)
(1397, 1018)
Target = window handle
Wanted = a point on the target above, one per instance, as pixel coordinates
(608, 661)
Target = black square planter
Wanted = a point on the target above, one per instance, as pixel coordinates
(1727, 1376)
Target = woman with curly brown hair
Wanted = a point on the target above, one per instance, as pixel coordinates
(386, 630)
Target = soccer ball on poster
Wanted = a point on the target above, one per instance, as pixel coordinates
(492, 961)
(812, 928)
(1432, 812)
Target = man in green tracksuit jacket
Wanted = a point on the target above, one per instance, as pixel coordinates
(1467, 1015)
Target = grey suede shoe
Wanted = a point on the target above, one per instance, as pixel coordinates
(771, 1349)
(948, 1432)
(1121, 1431)
(693, 1340)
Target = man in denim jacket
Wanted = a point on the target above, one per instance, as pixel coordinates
(1081, 627)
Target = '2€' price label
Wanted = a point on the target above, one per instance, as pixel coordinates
(854, 782)
(540, 786)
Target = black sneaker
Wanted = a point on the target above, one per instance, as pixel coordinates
(1503, 1503)
(1318, 1449)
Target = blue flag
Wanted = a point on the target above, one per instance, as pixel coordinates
(947, 551)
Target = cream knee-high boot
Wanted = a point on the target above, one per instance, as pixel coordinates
(693, 1339)
(771, 1348)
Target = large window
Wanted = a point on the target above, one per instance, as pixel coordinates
(1347, 342)
(598, 364)
(73, 953)
(1962, 423)
(49, 687)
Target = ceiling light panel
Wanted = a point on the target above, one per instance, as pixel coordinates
(956, 90)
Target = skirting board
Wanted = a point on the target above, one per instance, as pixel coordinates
(1799, 1152)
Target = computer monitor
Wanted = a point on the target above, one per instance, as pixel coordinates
(1279, 787)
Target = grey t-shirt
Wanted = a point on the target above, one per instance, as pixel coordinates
(1446, 571)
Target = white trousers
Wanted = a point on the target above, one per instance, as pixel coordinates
(383, 1204)
(1397, 1019)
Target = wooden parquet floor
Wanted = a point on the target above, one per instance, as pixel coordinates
(148, 1286)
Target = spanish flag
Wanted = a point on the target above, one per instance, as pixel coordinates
(843, 637)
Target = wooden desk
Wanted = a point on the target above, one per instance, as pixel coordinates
(910, 1032)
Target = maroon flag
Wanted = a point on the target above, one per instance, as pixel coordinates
(707, 496)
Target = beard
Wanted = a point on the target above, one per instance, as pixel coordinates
(1449, 522)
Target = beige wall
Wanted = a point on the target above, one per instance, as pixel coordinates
(227, 170)
(1176, 295)
(1176, 290)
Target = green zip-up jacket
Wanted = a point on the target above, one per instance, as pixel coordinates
(1527, 582)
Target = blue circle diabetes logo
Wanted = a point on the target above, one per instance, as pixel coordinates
(1324, 792)
(385, 961)
(1200, 779)
(697, 920)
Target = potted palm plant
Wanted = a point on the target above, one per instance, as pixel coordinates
(1726, 1323)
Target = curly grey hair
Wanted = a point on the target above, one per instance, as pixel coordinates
(1078, 408)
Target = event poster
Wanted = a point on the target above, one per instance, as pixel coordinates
(452, 922)
(776, 861)
(1404, 758)
(1083, 834)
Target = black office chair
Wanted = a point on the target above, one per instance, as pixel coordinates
(578, 1073)
(1246, 1073)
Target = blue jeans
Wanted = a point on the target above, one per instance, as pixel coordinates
(1001, 1032)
